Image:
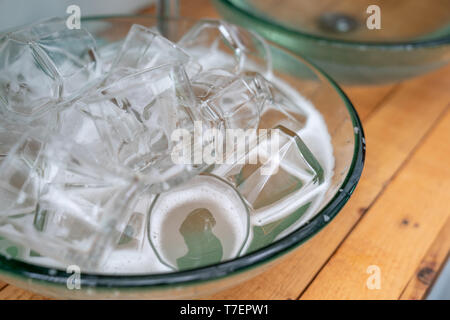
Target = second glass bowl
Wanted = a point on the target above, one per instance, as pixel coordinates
(414, 37)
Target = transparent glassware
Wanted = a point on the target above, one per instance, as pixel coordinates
(250, 52)
(136, 116)
(280, 188)
(58, 200)
(348, 143)
(144, 48)
(231, 101)
(59, 64)
(414, 37)
(202, 222)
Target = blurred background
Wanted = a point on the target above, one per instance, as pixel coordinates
(14, 13)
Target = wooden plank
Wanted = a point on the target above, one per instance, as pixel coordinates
(14, 293)
(396, 119)
(2, 285)
(430, 267)
(397, 231)
(191, 9)
(366, 99)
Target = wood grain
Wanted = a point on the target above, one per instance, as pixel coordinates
(367, 99)
(2, 285)
(14, 293)
(192, 9)
(430, 267)
(397, 231)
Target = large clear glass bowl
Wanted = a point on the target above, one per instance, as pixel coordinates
(348, 143)
(414, 37)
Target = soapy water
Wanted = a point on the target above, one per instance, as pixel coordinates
(195, 219)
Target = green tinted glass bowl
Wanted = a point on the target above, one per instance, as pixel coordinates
(349, 147)
(414, 37)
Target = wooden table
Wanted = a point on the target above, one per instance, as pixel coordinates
(398, 219)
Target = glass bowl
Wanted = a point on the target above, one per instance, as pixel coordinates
(348, 143)
(414, 37)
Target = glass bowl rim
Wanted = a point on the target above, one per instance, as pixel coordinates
(52, 276)
(395, 45)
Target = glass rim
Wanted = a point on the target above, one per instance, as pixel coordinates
(394, 45)
(55, 276)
